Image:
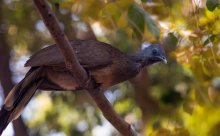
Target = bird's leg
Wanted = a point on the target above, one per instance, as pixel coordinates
(97, 85)
(92, 80)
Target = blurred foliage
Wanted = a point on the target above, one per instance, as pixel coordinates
(187, 89)
(212, 4)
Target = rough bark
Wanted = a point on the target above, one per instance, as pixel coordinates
(6, 81)
(78, 72)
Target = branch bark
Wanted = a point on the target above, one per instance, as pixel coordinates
(77, 70)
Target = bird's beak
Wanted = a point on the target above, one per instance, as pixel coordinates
(163, 58)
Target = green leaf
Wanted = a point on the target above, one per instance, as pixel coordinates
(136, 20)
(152, 26)
(212, 4)
(138, 15)
(112, 10)
(170, 42)
(209, 39)
(121, 41)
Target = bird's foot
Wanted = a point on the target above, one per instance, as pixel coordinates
(97, 86)
(87, 83)
(91, 82)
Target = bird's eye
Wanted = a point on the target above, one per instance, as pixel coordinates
(155, 51)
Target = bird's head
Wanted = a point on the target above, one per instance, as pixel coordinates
(151, 53)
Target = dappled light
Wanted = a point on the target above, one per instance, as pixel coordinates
(180, 98)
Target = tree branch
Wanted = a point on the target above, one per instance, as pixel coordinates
(72, 64)
(77, 70)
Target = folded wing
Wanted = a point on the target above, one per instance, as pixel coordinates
(90, 54)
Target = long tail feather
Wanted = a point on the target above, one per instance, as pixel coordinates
(4, 115)
(19, 96)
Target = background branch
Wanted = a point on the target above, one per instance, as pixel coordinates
(19, 127)
(78, 72)
(147, 104)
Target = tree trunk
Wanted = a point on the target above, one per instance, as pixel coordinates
(141, 88)
(7, 83)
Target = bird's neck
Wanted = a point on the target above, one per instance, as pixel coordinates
(139, 58)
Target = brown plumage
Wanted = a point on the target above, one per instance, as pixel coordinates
(105, 64)
(101, 60)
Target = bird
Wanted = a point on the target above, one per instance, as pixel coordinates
(105, 64)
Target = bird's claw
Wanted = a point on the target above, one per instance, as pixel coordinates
(92, 81)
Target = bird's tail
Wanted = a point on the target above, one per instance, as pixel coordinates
(19, 96)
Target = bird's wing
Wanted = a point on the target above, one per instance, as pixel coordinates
(90, 53)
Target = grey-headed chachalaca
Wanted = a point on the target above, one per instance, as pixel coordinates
(105, 64)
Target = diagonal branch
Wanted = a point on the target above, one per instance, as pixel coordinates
(72, 64)
(77, 70)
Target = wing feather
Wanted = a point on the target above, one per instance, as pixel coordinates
(90, 53)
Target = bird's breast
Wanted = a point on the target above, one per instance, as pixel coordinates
(114, 74)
